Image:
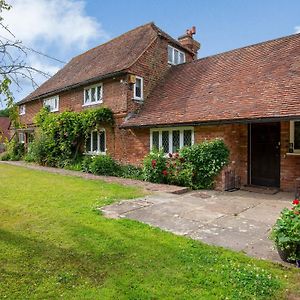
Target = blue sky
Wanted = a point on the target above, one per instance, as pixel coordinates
(65, 28)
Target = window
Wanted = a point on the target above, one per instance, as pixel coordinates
(95, 143)
(138, 88)
(22, 109)
(171, 140)
(295, 136)
(175, 56)
(21, 137)
(52, 103)
(93, 94)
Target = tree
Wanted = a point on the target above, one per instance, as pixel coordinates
(13, 67)
(4, 112)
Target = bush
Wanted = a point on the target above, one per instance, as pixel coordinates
(154, 169)
(38, 150)
(129, 171)
(207, 158)
(195, 166)
(103, 165)
(15, 151)
(286, 231)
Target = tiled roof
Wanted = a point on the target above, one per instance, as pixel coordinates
(258, 81)
(112, 57)
(4, 128)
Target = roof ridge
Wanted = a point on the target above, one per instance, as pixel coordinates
(109, 41)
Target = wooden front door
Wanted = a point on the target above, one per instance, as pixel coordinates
(264, 154)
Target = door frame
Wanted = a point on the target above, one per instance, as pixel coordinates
(250, 153)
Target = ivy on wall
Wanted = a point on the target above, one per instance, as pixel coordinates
(61, 137)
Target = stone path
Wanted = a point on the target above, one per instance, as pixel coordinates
(238, 220)
(152, 187)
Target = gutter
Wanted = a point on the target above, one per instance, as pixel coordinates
(214, 122)
(73, 86)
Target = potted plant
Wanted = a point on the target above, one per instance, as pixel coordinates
(286, 233)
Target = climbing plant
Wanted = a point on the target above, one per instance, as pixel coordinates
(61, 136)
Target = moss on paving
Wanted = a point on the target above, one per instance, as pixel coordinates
(55, 244)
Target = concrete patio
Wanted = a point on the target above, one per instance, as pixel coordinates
(237, 220)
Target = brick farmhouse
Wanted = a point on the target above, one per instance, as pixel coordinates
(162, 95)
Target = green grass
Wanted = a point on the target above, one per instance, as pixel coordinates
(54, 244)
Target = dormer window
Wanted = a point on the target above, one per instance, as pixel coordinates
(175, 56)
(93, 94)
(52, 103)
(22, 109)
(138, 89)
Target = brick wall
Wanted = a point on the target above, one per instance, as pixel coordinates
(236, 138)
(289, 163)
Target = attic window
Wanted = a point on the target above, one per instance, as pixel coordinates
(175, 56)
(93, 94)
(52, 103)
(22, 109)
(138, 88)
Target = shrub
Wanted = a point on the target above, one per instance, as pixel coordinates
(286, 231)
(195, 166)
(103, 165)
(207, 158)
(15, 151)
(154, 169)
(129, 171)
(86, 163)
(38, 151)
(179, 171)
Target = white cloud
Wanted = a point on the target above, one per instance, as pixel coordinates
(297, 29)
(59, 28)
(48, 22)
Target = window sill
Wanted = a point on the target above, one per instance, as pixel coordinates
(91, 104)
(293, 154)
(138, 99)
(94, 153)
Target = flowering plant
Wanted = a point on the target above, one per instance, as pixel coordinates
(286, 231)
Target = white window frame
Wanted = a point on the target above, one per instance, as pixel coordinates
(171, 129)
(89, 89)
(135, 97)
(172, 62)
(292, 135)
(97, 152)
(22, 109)
(21, 137)
(53, 98)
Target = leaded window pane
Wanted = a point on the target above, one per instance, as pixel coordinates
(155, 140)
(102, 141)
(95, 141)
(170, 54)
(187, 137)
(88, 144)
(176, 140)
(297, 135)
(138, 88)
(93, 94)
(165, 141)
(99, 93)
(87, 96)
(176, 56)
(181, 57)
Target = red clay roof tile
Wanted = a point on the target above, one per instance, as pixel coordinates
(258, 81)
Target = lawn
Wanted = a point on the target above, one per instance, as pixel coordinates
(55, 244)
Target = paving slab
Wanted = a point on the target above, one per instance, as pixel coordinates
(240, 220)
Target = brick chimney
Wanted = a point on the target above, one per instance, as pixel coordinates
(188, 41)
